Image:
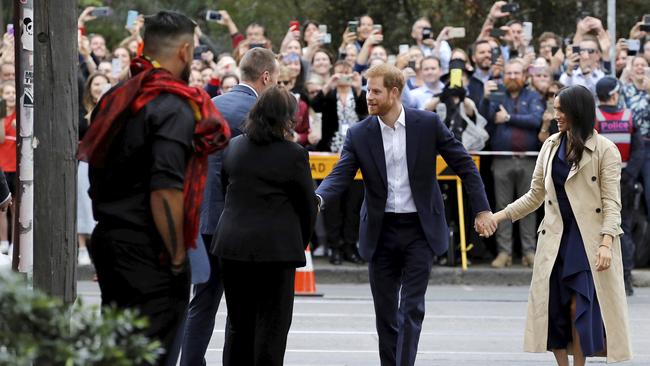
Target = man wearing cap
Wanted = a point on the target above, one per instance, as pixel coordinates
(615, 123)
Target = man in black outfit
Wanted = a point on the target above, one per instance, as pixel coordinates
(145, 147)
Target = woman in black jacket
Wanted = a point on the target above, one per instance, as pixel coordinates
(268, 218)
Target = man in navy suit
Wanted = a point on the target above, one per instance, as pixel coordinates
(402, 218)
(259, 70)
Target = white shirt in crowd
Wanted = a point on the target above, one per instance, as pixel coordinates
(444, 56)
(578, 78)
(400, 198)
(420, 96)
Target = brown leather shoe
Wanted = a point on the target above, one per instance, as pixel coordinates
(528, 260)
(502, 260)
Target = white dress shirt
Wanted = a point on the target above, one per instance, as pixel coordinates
(400, 198)
(251, 88)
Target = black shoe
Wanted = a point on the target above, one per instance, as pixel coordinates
(335, 257)
(629, 290)
(354, 258)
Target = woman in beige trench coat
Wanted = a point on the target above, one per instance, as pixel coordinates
(591, 194)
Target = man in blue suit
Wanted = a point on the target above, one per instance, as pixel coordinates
(402, 217)
(259, 70)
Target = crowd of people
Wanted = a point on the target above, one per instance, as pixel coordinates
(497, 96)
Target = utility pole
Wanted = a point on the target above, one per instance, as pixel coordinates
(55, 141)
(611, 28)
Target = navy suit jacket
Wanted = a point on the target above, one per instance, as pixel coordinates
(234, 107)
(426, 137)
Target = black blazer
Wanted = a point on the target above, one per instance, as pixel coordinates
(426, 137)
(270, 207)
(326, 104)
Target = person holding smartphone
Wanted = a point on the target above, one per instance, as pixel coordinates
(550, 49)
(424, 39)
(584, 67)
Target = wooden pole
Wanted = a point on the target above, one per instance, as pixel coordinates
(55, 129)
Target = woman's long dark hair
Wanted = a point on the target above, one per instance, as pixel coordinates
(578, 105)
(271, 118)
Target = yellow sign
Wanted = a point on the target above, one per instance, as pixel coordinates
(323, 163)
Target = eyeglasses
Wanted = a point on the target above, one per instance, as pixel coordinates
(284, 82)
(590, 51)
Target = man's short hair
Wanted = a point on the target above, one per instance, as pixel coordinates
(518, 61)
(255, 62)
(591, 38)
(513, 21)
(393, 77)
(163, 30)
(431, 57)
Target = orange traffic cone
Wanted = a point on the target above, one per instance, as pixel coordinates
(305, 278)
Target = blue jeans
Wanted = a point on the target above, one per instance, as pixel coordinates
(199, 323)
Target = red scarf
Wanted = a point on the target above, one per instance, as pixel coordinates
(211, 132)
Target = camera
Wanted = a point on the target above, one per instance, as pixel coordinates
(326, 38)
(411, 64)
(345, 80)
(645, 27)
(212, 16)
(575, 49)
(554, 50)
(510, 8)
(377, 27)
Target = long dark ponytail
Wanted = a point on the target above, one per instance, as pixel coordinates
(578, 104)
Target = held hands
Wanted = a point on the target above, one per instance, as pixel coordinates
(484, 224)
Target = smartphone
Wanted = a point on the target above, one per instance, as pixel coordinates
(212, 16)
(10, 29)
(575, 49)
(633, 45)
(457, 32)
(528, 30)
(326, 38)
(131, 17)
(392, 60)
(426, 33)
(377, 27)
(495, 53)
(294, 25)
(103, 11)
(353, 26)
(404, 48)
(498, 96)
(455, 78)
(554, 50)
(411, 65)
(647, 72)
(644, 28)
(510, 8)
(497, 33)
(105, 88)
(256, 45)
(116, 67)
(322, 29)
(646, 19)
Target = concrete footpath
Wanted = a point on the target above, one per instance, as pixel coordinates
(476, 275)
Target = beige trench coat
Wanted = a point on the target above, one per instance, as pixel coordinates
(594, 193)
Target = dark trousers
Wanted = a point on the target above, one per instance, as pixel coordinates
(342, 218)
(130, 275)
(628, 247)
(399, 275)
(259, 298)
(199, 323)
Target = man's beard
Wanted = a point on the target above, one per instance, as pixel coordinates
(514, 85)
(185, 74)
(383, 108)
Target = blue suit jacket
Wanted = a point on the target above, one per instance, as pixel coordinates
(426, 137)
(234, 107)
